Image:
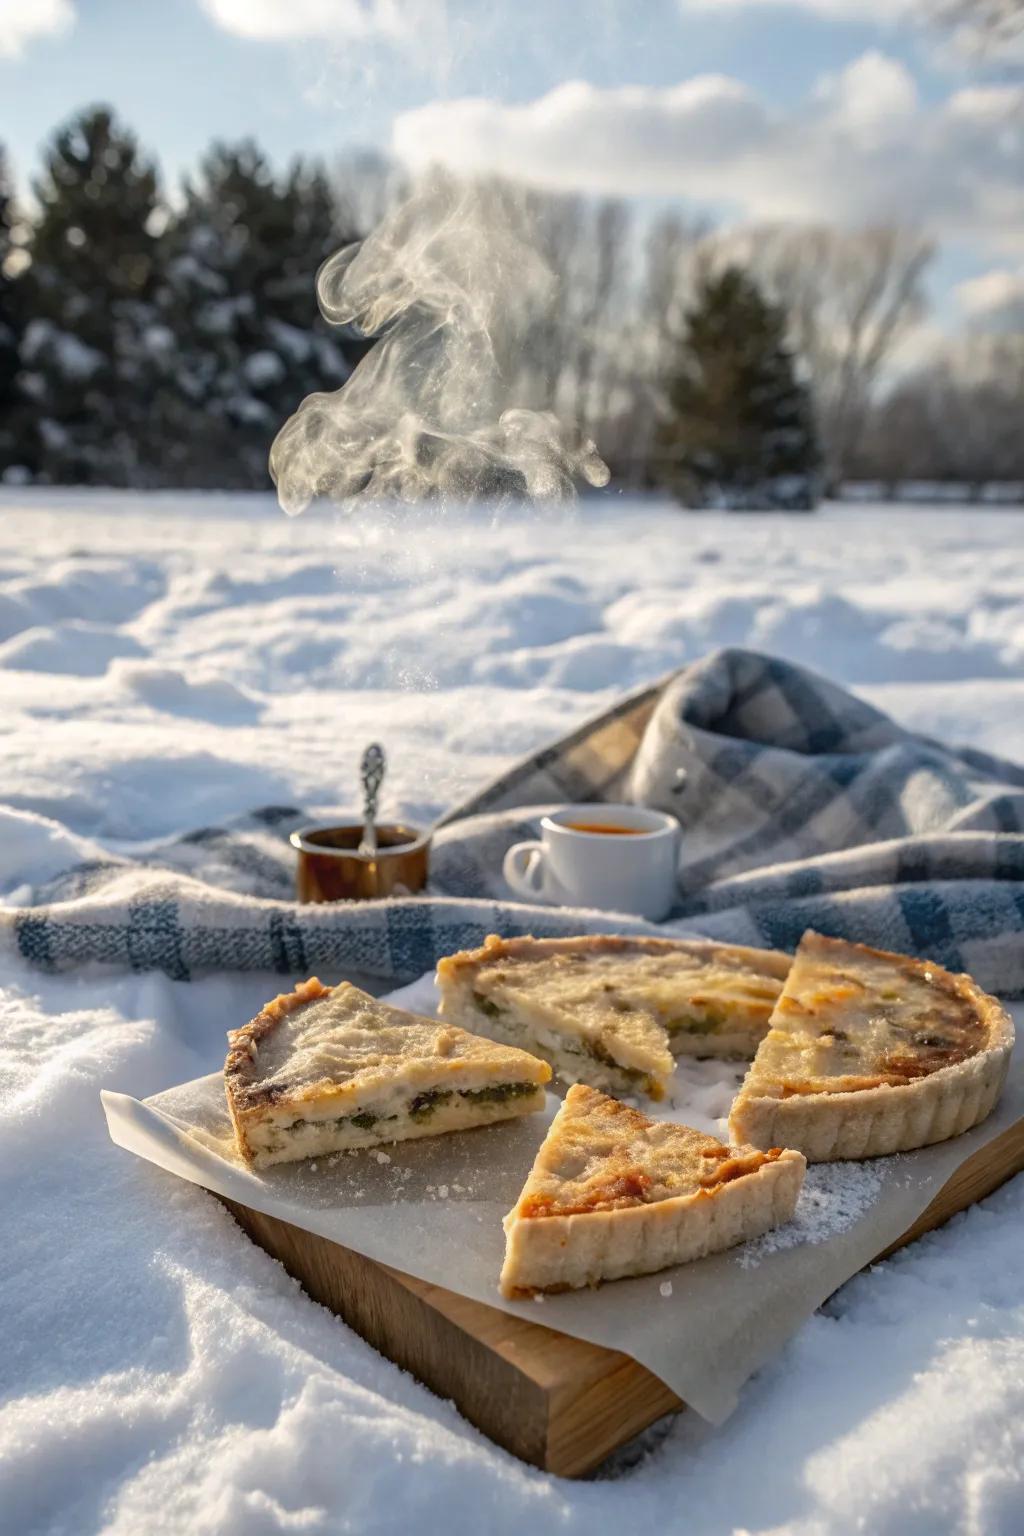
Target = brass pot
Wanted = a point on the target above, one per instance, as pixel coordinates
(331, 868)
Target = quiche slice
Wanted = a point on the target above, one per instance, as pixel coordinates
(614, 1012)
(870, 1053)
(612, 1193)
(322, 1069)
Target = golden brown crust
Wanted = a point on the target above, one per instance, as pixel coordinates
(496, 948)
(611, 1010)
(335, 1054)
(568, 1252)
(625, 1176)
(613, 1193)
(241, 1057)
(916, 1095)
(242, 1042)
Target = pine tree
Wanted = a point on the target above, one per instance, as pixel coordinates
(739, 431)
(13, 452)
(88, 348)
(239, 297)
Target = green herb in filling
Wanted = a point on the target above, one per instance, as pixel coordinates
(498, 1094)
(601, 1053)
(423, 1105)
(364, 1121)
(693, 1025)
(486, 1006)
(703, 1023)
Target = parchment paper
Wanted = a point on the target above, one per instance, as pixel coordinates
(433, 1208)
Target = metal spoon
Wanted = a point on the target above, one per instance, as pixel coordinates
(372, 769)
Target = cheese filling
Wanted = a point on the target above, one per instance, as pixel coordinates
(633, 1186)
(851, 1019)
(565, 1051)
(371, 1121)
(623, 1009)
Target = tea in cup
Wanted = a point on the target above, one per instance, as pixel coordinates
(618, 858)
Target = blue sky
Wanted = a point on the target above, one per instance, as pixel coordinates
(756, 109)
(180, 78)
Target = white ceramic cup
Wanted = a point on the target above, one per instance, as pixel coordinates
(625, 871)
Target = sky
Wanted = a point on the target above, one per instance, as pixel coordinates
(841, 110)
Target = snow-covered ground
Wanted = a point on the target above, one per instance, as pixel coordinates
(169, 660)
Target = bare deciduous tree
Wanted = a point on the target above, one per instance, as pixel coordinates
(597, 349)
(852, 296)
(604, 305)
(989, 25)
(558, 228)
(956, 418)
(648, 336)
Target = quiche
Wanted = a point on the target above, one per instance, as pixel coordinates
(870, 1053)
(612, 1193)
(322, 1069)
(615, 1012)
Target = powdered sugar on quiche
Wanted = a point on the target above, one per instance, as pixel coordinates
(833, 1198)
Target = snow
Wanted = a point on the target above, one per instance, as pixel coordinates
(833, 1196)
(262, 368)
(75, 647)
(76, 360)
(169, 660)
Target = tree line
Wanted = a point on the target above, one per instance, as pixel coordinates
(145, 344)
(156, 340)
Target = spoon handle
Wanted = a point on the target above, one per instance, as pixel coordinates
(372, 770)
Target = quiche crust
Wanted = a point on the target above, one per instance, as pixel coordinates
(898, 1093)
(612, 1011)
(613, 1193)
(324, 1069)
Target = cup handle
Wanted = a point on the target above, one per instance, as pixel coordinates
(523, 869)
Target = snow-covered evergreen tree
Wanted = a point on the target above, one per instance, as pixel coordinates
(14, 454)
(739, 430)
(239, 299)
(88, 349)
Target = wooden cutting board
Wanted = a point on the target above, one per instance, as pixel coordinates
(555, 1401)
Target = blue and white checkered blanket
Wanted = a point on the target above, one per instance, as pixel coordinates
(801, 806)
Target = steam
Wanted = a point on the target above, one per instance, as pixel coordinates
(453, 285)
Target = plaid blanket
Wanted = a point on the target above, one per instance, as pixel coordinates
(801, 806)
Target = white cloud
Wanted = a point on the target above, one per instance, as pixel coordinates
(22, 21)
(631, 138)
(863, 147)
(882, 12)
(993, 299)
(322, 20)
(871, 91)
(986, 104)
